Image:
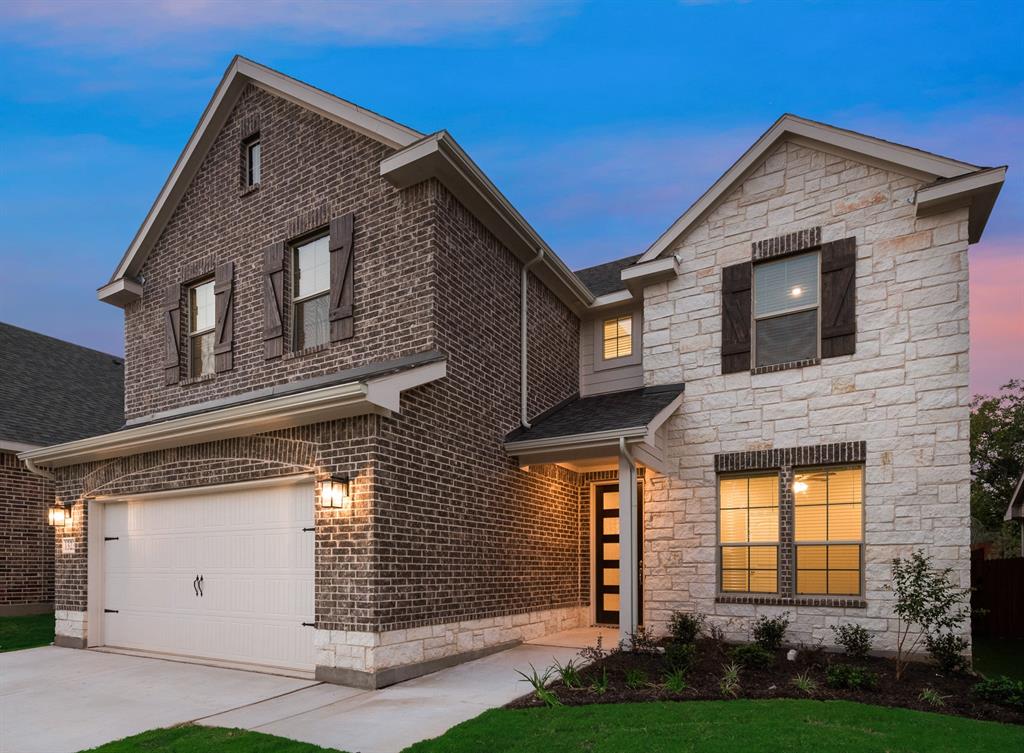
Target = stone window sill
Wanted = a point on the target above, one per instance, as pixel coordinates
(836, 602)
(305, 352)
(785, 366)
(197, 380)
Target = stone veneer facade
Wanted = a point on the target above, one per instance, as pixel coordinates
(903, 393)
(26, 541)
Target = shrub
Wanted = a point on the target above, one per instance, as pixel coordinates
(805, 683)
(752, 656)
(855, 640)
(569, 674)
(641, 642)
(600, 683)
(685, 627)
(769, 632)
(675, 681)
(680, 656)
(730, 682)
(591, 654)
(636, 679)
(540, 685)
(1001, 690)
(716, 633)
(948, 650)
(932, 697)
(849, 677)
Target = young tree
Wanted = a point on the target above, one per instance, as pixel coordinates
(997, 461)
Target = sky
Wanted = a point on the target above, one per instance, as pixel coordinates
(602, 122)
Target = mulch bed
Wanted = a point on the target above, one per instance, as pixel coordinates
(776, 682)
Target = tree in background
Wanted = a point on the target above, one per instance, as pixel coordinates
(997, 461)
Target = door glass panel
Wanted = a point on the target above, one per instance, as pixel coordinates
(610, 550)
(611, 576)
(611, 500)
(610, 603)
(610, 526)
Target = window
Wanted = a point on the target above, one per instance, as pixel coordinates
(310, 291)
(828, 530)
(748, 533)
(200, 328)
(617, 337)
(252, 162)
(786, 310)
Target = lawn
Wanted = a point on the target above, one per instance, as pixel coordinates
(795, 726)
(994, 656)
(25, 632)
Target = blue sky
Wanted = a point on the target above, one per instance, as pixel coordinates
(602, 122)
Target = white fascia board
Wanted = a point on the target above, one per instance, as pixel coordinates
(611, 300)
(609, 438)
(380, 396)
(240, 72)
(9, 445)
(120, 292)
(908, 158)
(663, 415)
(440, 156)
(642, 274)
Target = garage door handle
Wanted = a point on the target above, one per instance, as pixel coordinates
(200, 585)
(195, 585)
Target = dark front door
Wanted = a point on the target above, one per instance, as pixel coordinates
(606, 552)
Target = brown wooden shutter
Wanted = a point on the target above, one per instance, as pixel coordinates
(224, 297)
(838, 298)
(273, 300)
(172, 334)
(342, 262)
(736, 317)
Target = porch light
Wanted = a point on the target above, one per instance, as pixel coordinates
(59, 515)
(334, 492)
(799, 486)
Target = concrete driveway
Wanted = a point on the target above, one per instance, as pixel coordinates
(55, 700)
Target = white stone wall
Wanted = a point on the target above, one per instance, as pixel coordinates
(70, 624)
(904, 392)
(372, 652)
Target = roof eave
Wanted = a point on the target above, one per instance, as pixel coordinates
(977, 191)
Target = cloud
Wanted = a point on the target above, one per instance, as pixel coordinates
(997, 316)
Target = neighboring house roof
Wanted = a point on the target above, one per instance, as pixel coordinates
(606, 278)
(55, 391)
(1015, 510)
(627, 412)
(921, 164)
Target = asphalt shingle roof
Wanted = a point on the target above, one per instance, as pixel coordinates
(604, 278)
(585, 415)
(53, 391)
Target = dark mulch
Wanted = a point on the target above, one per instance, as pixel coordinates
(776, 682)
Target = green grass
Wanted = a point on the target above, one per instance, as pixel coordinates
(25, 632)
(795, 726)
(194, 739)
(994, 657)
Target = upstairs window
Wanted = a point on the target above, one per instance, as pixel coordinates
(253, 163)
(617, 338)
(310, 293)
(786, 310)
(200, 328)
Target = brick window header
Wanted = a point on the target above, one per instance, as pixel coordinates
(781, 457)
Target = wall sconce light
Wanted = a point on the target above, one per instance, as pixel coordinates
(334, 492)
(799, 486)
(59, 515)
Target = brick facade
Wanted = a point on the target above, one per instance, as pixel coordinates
(26, 540)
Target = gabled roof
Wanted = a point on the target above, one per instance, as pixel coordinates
(923, 165)
(55, 391)
(122, 287)
(602, 279)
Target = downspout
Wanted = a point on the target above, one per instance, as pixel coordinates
(523, 348)
(33, 468)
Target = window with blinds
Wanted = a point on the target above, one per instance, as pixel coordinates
(617, 339)
(829, 530)
(748, 533)
(786, 310)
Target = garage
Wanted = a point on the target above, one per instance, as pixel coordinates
(224, 574)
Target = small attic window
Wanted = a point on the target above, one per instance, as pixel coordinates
(253, 161)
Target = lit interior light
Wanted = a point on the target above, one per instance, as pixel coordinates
(797, 291)
(799, 486)
(334, 492)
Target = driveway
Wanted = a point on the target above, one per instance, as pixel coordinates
(56, 700)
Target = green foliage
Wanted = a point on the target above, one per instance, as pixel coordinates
(770, 632)
(730, 682)
(997, 462)
(927, 604)
(680, 656)
(569, 674)
(1001, 690)
(855, 640)
(540, 685)
(599, 685)
(849, 677)
(805, 683)
(685, 627)
(933, 698)
(675, 681)
(636, 679)
(641, 641)
(591, 654)
(752, 656)
(947, 649)
(25, 632)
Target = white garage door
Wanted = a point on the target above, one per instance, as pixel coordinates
(222, 575)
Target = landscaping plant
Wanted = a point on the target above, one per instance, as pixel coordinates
(641, 641)
(927, 604)
(947, 649)
(675, 681)
(599, 685)
(933, 698)
(595, 653)
(1001, 690)
(636, 679)
(805, 683)
(540, 685)
(568, 674)
(680, 656)
(730, 682)
(848, 677)
(752, 656)
(855, 640)
(685, 627)
(769, 632)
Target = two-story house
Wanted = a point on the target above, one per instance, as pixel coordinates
(374, 425)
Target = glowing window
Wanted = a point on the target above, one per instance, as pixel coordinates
(829, 530)
(748, 533)
(618, 337)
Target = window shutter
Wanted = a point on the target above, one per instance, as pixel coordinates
(838, 298)
(736, 317)
(341, 278)
(224, 298)
(273, 300)
(172, 334)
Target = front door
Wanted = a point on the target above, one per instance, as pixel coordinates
(606, 552)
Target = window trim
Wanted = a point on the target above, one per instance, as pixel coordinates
(247, 147)
(754, 318)
(191, 334)
(778, 544)
(294, 300)
(634, 358)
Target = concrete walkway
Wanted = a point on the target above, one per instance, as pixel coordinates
(55, 700)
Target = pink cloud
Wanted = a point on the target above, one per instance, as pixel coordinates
(997, 316)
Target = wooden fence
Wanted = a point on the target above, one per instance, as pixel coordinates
(999, 596)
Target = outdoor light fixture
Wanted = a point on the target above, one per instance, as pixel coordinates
(799, 486)
(334, 492)
(59, 515)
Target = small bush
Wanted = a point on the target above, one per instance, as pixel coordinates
(849, 677)
(730, 682)
(599, 685)
(680, 656)
(948, 650)
(932, 697)
(675, 681)
(716, 633)
(685, 627)
(855, 640)
(805, 683)
(1001, 690)
(641, 642)
(591, 654)
(752, 656)
(636, 679)
(769, 632)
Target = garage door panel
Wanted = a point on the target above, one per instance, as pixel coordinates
(256, 564)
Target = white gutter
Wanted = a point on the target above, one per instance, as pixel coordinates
(33, 468)
(523, 342)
